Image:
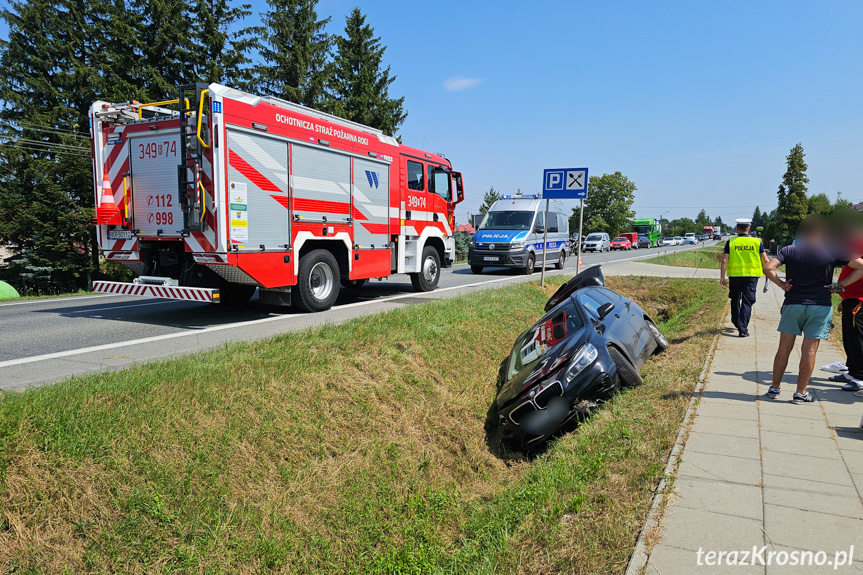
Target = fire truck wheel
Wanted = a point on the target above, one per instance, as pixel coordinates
(476, 269)
(561, 261)
(429, 275)
(528, 267)
(235, 294)
(353, 284)
(318, 281)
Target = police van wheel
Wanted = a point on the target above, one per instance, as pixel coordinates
(318, 281)
(530, 265)
(561, 261)
(429, 275)
(476, 269)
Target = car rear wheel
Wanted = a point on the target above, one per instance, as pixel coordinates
(429, 275)
(561, 261)
(531, 263)
(476, 269)
(627, 375)
(318, 281)
(658, 337)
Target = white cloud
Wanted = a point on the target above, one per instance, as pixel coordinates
(459, 83)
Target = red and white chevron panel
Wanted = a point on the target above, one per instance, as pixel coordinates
(205, 295)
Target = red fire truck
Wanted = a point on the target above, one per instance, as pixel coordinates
(233, 192)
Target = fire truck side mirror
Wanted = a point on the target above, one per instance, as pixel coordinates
(459, 189)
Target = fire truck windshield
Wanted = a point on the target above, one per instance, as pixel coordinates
(507, 221)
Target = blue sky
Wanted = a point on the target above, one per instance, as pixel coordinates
(697, 102)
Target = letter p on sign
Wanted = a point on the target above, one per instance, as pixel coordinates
(554, 180)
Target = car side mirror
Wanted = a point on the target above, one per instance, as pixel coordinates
(604, 310)
(539, 228)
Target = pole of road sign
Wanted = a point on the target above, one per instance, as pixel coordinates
(544, 245)
(580, 222)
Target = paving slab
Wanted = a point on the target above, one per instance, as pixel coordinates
(760, 472)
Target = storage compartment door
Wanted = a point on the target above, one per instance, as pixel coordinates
(258, 200)
(321, 180)
(153, 161)
(371, 204)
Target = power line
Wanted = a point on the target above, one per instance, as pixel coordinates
(56, 131)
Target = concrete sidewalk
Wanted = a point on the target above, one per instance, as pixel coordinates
(758, 472)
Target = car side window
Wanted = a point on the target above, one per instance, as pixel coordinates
(552, 223)
(605, 293)
(590, 304)
(415, 176)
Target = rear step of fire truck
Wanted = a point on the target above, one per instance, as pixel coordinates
(158, 287)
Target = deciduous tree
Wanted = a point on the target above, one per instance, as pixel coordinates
(608, 207)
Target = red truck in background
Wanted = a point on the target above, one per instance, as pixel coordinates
(234, 193)
(632, 237)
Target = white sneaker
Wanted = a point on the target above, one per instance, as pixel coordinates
(835, 367)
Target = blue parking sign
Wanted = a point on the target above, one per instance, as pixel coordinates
(564, 183)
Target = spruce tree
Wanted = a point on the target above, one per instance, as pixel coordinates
(167, 44)
(46, 190)
(296, 53)
(793, 201)
(221, 45)
(360, 84)
(757, 217)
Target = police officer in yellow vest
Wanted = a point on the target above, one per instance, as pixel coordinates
(744, 260)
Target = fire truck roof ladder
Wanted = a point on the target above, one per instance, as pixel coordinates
(191, 193)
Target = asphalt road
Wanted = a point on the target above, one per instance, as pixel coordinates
(48, 340)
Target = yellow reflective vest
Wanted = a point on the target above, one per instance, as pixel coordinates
(744, 259)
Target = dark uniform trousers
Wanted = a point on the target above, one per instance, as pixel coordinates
(742, 290)
(852, 336)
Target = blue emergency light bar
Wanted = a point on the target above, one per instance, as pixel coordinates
(522, 197)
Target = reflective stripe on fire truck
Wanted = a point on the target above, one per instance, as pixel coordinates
(205, 295)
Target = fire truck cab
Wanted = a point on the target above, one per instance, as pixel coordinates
(234, 192)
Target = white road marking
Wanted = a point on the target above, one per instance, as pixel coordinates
(56, 299)
(119, 344)
(161, 301)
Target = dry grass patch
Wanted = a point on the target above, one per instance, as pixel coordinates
(359, 448)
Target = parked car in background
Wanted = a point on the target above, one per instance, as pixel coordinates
(678, 241)
(621, 244)
(643, 242)
(596, 242)
(689, 239)
(591, 343)
(717, 236)
(669, 241)
(632, 237)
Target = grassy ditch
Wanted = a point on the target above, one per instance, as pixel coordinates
(357, 448)
(705, 258)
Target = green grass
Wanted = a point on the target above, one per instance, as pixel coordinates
(33, 297)
(358, 448)
(705, 258)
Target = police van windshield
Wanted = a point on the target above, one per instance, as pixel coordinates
(507, 221)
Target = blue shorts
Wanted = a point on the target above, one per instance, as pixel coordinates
(813, 321)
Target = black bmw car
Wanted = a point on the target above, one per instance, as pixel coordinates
(591, 342)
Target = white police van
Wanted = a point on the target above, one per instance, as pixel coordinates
(511, 235)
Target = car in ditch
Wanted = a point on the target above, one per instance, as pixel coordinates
(591, 343)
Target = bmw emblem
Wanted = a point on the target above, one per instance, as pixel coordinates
(491, 246)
